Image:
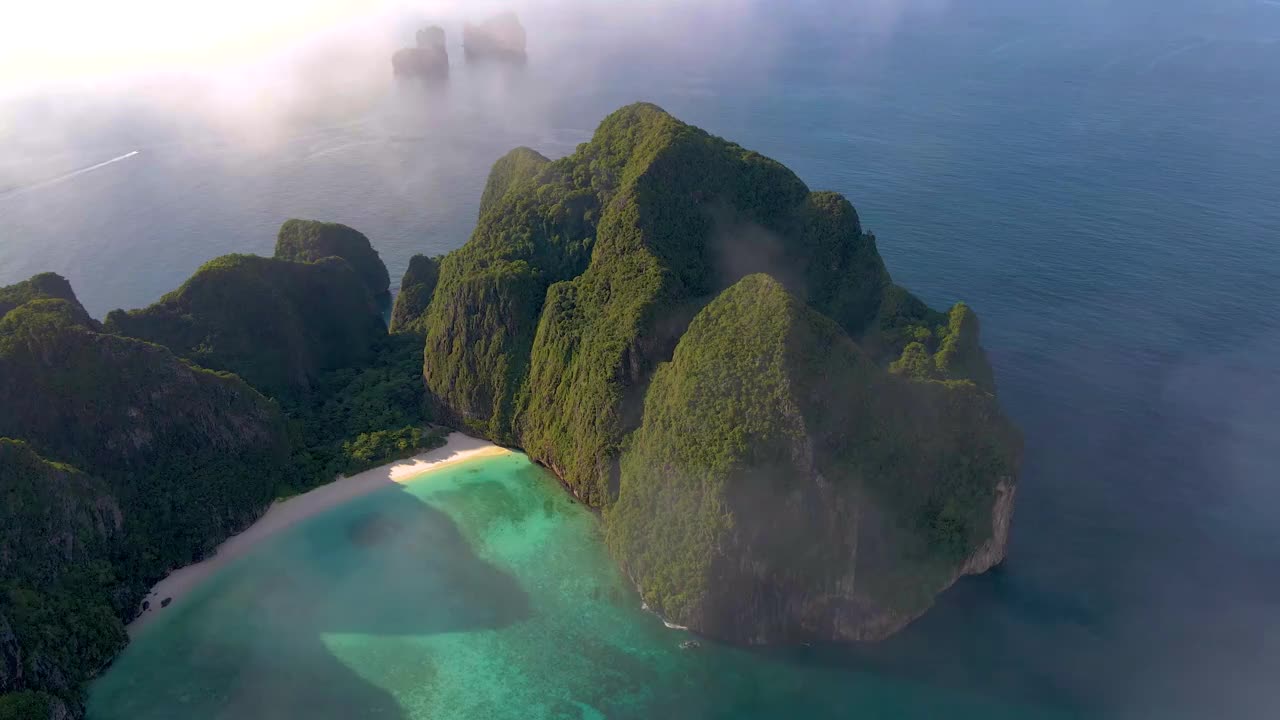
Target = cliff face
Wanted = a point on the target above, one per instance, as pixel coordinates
(56, 622)
(784, 487)
(278, 324)
(581, 278)
(582, 274)
(53, 514)
(431, 36)
(119, 461)
(429, 59)
(122, 459)
(47, 286)
(416, 289)
(310, 240)
(144, 420)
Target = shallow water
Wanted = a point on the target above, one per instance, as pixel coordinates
(480, 591)
(1099, 179)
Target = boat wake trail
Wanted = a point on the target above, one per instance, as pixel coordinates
(68, 176)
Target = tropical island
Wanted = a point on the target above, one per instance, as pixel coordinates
(782, 444)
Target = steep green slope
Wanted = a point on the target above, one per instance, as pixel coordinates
(531, 344)
(416, 288)
(190, 452)
(49, 286)
(783, 486)
(57, 624)
(278, 324)
(582, 277)
(359, 417)
(312, 240)
(484, 311)
(175, 458)
(53, 514)
(516, 167)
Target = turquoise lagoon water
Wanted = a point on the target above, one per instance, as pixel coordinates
(481, 590)
(1099, 179)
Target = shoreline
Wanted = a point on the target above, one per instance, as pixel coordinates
(283, 514)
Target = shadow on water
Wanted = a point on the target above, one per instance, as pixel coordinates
(987, 635)
(388, 566)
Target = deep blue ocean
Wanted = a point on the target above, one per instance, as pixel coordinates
(1099, 179)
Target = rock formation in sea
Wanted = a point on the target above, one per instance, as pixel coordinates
(500, 37)
(580, 319)
(428, 59)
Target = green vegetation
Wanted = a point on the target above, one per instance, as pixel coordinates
(277, 324)
(28, 705)
(583, 273)
(481, 321)
(130, 461)
(49, 286)
(776, 459)
(947, 351)
(57, 624)
(358, 415)
(582, 276)
(416, 289)
(785, 444)
(312, 240)
(516, 167)
(369, 450)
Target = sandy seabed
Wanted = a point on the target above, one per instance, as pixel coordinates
(285, 513)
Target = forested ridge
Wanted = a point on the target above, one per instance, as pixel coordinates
(132, 447)
(783, 444)
(838, 427)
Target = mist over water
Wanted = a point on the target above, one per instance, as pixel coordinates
(1097, 179)
(481, 591)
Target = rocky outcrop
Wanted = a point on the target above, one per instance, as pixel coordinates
(429, 59)
(416, 288)
(54, 515)
(312, 240)
(118, 462)
(992, 551)
(820, 470)
(278, 324)
(782, 487)
(431, 36)
(501, 37)
(46, 286)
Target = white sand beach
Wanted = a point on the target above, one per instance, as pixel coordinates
(283, 514)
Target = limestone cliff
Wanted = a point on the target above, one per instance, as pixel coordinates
(783, 487)
(416, 289)
(889, 461)
(312, 240)
(118, 461)
(278, 324)
(429, 59)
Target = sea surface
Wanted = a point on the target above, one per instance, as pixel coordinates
(1099, 179)
(482, 590)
